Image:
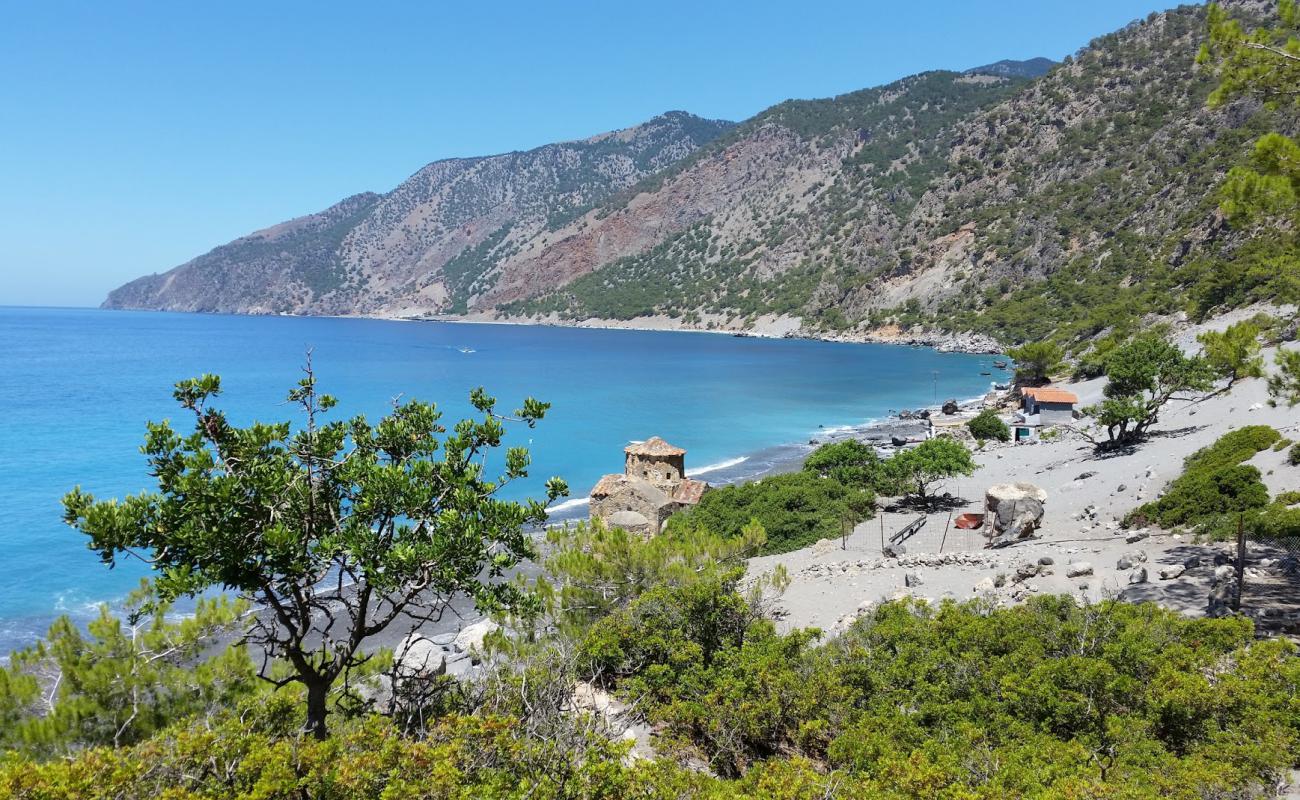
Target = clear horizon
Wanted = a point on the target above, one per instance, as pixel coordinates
(143, 135)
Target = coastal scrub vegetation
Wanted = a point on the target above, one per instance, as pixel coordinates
(1217, 486)
(850, 462)
(123, 680)
(1049, 699)
(836, 490)
(988, 426)
(337, 531)
(795, 510)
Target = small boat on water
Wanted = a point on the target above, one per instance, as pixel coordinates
(1000, 364)
(986, 373)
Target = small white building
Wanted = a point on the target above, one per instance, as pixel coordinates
(1050, 405)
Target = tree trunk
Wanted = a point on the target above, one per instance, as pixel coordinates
(317, 694)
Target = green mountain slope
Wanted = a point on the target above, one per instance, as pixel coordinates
(1078, 201)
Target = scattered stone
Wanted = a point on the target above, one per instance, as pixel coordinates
(984, 586)
(894, 550)
(1026, 571)
(1171, 572)
(1083, 476)
(1138, 575)
(1046, 561)
(912, 579)
(1223, 572)
(1137, 536)
(950, 407)
(999, 580)
(1123, 487)
(1131, 560)
(1078, 569)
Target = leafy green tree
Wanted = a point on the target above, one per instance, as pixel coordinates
(122, 680)
(1036, 362)
(914, 472)
(1234, 352)
(850, 462)
(988, 426)
(338, 531)
(1143, 376)
(1284, 383)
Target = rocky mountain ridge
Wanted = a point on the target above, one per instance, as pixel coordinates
(1009, 201)
(415, 244)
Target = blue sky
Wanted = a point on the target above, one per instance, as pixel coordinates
(135, 136)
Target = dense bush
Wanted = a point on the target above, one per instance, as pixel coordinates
(1050, 699)
(850, 462)
(988, 426)
(795, 509)
(1214, 482)
(1293, 455)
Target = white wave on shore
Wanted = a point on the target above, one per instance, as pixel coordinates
(731, 462)
(568, 505)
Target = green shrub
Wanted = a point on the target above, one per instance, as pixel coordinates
(988, 426)
(1048, 699)
(795, 509)
(1288, 498)
(1214, 482)
(1233, 447)
(1293, 455)
(1277, 521)
(850, 462)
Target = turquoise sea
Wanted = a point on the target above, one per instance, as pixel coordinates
(78, 385)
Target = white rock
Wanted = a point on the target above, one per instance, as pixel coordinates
(471, 636)
(1172, 571)
(1078, 569)
(419, 656)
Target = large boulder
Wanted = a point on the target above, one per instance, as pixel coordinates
(470, 639)
(418, 656)
(950, 407)
(1012, 512)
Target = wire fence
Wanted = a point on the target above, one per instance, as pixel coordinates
(935, 532)
(1264, 583)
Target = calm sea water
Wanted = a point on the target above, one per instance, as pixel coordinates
(78, 385)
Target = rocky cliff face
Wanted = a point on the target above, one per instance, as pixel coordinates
(981, 201)
(428, 243)
(1008, 200)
